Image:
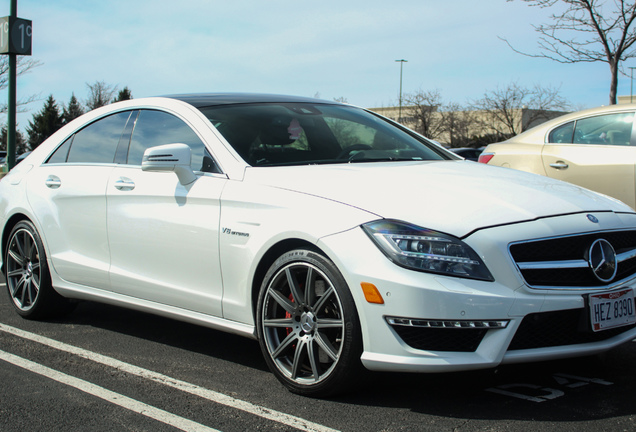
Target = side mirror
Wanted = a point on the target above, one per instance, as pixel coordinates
(170, 157)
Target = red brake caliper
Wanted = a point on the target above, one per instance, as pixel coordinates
(288, 315)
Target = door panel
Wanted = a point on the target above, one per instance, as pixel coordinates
(70, 204)
(164, 238)
(607, 169)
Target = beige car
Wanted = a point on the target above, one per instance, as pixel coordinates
(595, 149)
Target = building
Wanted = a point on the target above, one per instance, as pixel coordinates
(469, 127)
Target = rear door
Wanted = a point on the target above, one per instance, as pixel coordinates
(597, 153)
(69, 199)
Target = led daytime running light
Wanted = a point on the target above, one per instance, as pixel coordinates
(448, 324)
(391, 241)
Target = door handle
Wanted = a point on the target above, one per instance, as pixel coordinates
(559, 165)
(124, 184)
(53, 182)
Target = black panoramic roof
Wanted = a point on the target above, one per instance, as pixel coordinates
(200, 100)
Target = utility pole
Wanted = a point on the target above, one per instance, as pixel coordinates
(15, 39)
(11, 107)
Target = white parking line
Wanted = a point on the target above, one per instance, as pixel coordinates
(109, 396)
(211, 395)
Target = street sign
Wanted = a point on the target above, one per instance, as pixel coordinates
(16, 35)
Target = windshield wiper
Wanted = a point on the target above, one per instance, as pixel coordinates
(384, 159)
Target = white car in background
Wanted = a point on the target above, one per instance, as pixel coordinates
(335, 237)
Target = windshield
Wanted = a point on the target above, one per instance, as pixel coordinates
(300, 134)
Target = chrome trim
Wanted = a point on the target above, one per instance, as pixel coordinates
(565, 264)
(448, 324)
(624, 256)
(548, 265)
(602, 260)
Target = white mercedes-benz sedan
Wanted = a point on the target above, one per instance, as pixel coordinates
(335, 237)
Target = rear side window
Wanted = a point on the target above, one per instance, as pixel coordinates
(60, 155)
(97, 142)
(562, 134)
(610, 129)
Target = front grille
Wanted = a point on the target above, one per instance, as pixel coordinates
(568, 327)
(440, 339)
(563, 261)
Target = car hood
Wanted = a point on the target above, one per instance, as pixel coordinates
(456, 197)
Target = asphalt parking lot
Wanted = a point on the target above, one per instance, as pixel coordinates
(108, 369)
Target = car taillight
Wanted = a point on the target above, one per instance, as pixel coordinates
(485, 157)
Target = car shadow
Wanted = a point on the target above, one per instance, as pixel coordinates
(583, 389)
(166, 331)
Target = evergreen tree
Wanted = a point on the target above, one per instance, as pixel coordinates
(21, 145)
(45, 123)
(72, 110)
(123, 95)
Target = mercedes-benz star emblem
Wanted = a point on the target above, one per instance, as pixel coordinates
(602, 260)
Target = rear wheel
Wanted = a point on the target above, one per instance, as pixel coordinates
(27, 275)
(308, 326)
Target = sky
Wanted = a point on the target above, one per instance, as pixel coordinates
(329, 49)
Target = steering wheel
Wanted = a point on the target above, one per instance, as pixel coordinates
(345, 151)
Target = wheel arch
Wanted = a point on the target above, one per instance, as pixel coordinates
(6, 232)
(272, 254)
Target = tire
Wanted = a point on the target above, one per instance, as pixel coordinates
(28, 278)
(307, 325)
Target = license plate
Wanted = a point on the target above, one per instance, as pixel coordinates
(612, 309)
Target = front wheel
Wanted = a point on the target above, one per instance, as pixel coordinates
(308, 326)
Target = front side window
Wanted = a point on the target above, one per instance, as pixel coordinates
(611, 129)
(267, 134)
(154, 128)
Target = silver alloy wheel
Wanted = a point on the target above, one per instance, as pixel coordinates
(303, 323)
(23, 269)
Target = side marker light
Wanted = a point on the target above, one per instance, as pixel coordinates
(371, 293)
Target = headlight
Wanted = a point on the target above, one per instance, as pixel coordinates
(425, 250)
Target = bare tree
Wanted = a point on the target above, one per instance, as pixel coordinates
(23, 65)
(100, 94)
(421, 108)
(587, 31)
(458, 123)
(509, 110)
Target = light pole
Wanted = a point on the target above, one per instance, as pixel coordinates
(402, 61)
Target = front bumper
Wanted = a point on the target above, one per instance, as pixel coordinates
(433, 323)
